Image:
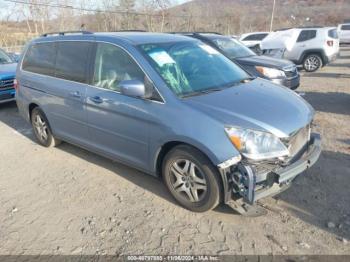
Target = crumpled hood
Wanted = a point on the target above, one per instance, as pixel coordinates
(264, 61)
(7, 70)
(259, 105)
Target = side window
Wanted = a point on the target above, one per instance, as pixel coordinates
(255, 37)
(112, 65)
(71, 61)
(40, 59)
(345, 27)
(306, 35)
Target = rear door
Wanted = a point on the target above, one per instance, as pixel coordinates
(68, 112)
(55, 73)
(304, 41)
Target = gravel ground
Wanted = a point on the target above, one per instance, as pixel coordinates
(66, 200)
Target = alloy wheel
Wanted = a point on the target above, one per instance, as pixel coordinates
(188, 180)
(312, 63)
(41, 128)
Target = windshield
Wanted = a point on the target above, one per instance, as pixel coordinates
(233, 48)
(4, 58)
(190, 67)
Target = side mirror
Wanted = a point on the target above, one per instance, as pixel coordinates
(134, 88)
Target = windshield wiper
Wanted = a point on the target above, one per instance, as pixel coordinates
(210, 90)
(248, 79)
(200, 92)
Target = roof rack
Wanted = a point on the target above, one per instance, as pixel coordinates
(67, 32)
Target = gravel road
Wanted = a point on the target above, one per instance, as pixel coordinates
(66, 200)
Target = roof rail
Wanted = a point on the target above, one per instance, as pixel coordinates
(130, 30)
(299, 27)
(67, 32)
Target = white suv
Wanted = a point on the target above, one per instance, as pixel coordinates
(344, 33)
(311, 47)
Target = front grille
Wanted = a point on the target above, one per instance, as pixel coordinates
(290, 71)
(8, 83)
(298, 141)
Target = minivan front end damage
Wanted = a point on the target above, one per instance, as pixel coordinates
(246, 181)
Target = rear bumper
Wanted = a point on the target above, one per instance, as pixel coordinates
(330, 59)
(7, 95)
(292, 83)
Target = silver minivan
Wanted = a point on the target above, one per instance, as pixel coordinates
(170, 106)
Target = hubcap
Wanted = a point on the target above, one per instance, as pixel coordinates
(312, 63)
(40, 128)
(188, 180)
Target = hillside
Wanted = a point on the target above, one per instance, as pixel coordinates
(225, 16)
(238, 16)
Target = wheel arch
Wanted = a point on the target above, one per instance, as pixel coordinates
(319, 52)
(169, 145)
(31, 107)
(34, 105)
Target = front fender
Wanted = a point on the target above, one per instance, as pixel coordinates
(183, 123)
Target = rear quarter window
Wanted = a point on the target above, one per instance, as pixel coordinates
(345, 27)
(332, 33)
(40, 58)
(72, 60)
(306, 35)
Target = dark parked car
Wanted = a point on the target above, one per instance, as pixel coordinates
(172, 107)
(7, 77)
(279, 71)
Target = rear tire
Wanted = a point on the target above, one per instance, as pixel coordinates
(312, 62)
(192, 179)
(42, 130)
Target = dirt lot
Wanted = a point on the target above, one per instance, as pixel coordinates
(69, 201)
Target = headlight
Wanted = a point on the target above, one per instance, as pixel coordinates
(255, 144)
(270, 72)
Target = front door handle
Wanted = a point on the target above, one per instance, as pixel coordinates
(75, 94)
(96, 99)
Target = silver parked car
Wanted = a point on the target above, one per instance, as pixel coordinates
(172, 107)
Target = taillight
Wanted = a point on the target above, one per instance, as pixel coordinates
(330, 42)
(15, 84)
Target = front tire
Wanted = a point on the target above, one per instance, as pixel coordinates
(42, 129)
(312, 63)
(191, 179)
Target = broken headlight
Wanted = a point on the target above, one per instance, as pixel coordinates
(256, 145)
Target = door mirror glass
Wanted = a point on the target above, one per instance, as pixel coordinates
(134, 88)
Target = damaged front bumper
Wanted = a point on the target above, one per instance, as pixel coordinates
(243, 185)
